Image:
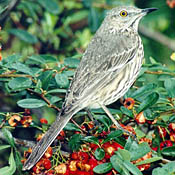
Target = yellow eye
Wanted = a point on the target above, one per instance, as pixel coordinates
(123, 13)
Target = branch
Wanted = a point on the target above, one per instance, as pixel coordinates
(157, 36)
(45, 99)
(19, 142)
(160, 73)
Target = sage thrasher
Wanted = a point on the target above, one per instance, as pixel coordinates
(107, 70)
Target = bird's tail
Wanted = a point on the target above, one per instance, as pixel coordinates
(39, 149)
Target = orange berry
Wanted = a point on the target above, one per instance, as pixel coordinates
(73, 165)
(26, 120)
(129, 103)
(172, 137)
(39, 137)
(61, 169)
(14, 120)
(48, 153)
(140, 119)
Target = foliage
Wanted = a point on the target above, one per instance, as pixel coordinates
(50, 36)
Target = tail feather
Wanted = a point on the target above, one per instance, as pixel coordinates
(39, 149)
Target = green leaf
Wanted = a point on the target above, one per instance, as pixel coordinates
(148, 101)
(103, 119)
(71, 62)
(90, 139)
(139, 150)
(31, 103)
(168, 169)
(143, 90)
(24, 35)
(153, 159)
(12, 58)
(20, 68)
(20, 83)
(8, 137)
(170, 87)
(99, 153)
(103, 168)
(118, 165)
(45, 79)
(57, 91)
(75, 142)
(172, 119)
(139, 133)
(132, 168)
(9, 170)
(126, 111)
(169, 151)
(130, 142)
(4, 147)
(18, 159)
(125, 154)
(71, 127)
(49, 58)
(54, 99)
(62, 80)
(37, 59)
(50, 5)
(113, 135)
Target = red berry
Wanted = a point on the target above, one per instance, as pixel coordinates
(166, 143)
(144, 167)
(47, 164)
(27, 111)
(50, 172)
(155, 148)
(82, 173)
(172, 126)
(43, 120)
(93, 163)
(116, 145)
(74, 156)
(83, 156)
(93, 146)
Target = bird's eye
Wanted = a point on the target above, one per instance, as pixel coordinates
(123, 13)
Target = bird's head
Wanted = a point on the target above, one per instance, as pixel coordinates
(126, 16)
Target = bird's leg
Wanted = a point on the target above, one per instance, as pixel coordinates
(116, 123)
(96, 123)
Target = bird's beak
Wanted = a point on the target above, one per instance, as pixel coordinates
(148, 10)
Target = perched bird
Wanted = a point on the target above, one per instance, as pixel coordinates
(107, 70)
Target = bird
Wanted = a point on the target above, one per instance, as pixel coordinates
(108, 68)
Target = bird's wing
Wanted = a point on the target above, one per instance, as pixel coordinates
(105, 54)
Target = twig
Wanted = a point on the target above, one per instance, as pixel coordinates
(157, 36)
(19, 142)
(78, 126)
(165, 161)
(45, 99)
(160, 73)
(14, 75)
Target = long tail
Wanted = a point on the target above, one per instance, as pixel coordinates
(39, 149)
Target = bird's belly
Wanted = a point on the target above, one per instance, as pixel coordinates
(117, 86)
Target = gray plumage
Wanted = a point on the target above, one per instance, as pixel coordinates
(107, 69)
